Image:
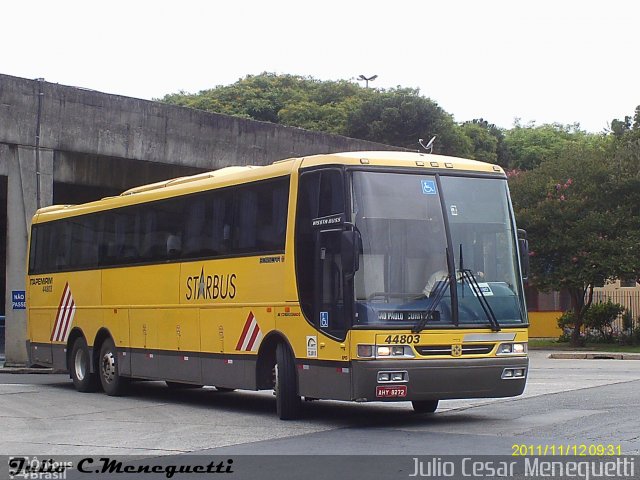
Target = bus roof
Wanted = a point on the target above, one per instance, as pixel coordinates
(403, 159)
(234, 175)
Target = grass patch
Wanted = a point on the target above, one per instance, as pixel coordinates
(550, 344)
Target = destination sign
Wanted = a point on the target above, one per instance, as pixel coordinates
(406, 316)
(328, 221)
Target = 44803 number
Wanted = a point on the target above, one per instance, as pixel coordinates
(402, 339)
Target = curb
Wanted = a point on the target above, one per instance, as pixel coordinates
(23, 370)
(595, 355)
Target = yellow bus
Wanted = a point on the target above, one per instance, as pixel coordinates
(361, 276)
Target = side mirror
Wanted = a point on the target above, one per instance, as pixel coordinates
(350, 252)
(523, 247)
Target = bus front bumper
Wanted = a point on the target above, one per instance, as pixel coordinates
(439, 379)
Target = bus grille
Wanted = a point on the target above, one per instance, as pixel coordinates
(472, 349)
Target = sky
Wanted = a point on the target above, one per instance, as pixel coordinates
(541, 61)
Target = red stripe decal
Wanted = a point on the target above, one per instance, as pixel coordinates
(55, 325)
(247, 324)
(256, 331)
(68, 319)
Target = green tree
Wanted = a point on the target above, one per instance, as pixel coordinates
(526, 147)
(486, 139)
(398, 117)
(401, 117)
(582, 224)
(286, 99)
(625, 153)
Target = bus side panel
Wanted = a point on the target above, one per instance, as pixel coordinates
(143, 334)
(328, 381)
(322, 362)
(227, 371)
(40, 323)
(235, 298)
(179, 345)
(231, 338)
(218, 368)
(147, 294)
(60, 303)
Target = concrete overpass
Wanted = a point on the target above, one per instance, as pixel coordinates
(61, 144)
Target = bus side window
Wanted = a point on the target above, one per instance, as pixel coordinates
(219, 218)
(195, 233)
(62, 245)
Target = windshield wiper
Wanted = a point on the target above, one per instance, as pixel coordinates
(465, 273)
(484, 303)
(437, 296)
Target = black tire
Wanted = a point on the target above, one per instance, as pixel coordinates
(80, 367)
(112, 383)
(288, 403)
(425, 406)
(181, 386)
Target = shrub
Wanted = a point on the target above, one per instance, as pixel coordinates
(566, 322)
(600, 316)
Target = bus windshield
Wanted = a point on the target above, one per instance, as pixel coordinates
(417, 232)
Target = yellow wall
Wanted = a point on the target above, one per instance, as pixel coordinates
(544, 324)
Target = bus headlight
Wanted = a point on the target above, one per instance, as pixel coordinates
(512, 348)
(383, 351)
(394, 351)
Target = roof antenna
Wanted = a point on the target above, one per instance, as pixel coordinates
(429, 146)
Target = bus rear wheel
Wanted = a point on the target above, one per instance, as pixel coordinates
(288, 403)
(80, 367)
(112, 383)
(424, 406)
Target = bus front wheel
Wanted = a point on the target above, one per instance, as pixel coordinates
(112, 383)
(288, 404)
(424, 406)
(80, 367)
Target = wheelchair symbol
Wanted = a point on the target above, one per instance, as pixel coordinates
(429, 187)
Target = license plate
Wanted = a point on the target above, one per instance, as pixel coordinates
(391, 391)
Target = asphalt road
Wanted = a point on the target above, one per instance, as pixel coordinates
(567, 402)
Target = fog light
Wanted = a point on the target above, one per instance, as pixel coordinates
(509, 373)
(393, 377)
(365, 351)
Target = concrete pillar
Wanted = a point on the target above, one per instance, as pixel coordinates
(22, 192)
